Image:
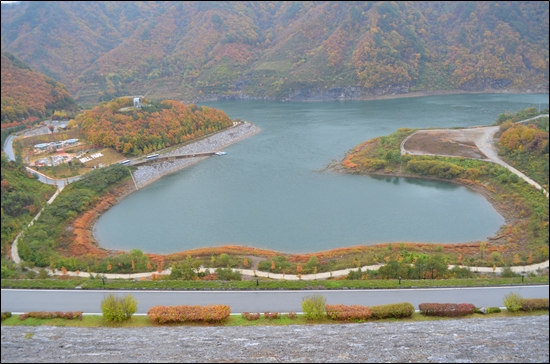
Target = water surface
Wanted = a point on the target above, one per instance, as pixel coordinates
(266, 192)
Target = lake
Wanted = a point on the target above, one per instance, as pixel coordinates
(267, 192)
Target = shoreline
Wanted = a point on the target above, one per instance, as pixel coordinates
(171, 167)
(420, 93)
(488, 195)
(146, 175)
(497, 238)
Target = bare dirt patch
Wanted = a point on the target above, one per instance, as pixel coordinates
(455, 143)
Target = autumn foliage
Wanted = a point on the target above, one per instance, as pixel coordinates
(282, 46)
(27, 94)
(446, 309)
(348, 313)
(134, 131)
(183, 313)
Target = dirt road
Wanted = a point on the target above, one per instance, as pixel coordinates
(476, 143)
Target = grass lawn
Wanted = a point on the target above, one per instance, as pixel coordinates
(265, 283)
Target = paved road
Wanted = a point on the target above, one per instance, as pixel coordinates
(60, 183)
(8, 148)
(259, 301)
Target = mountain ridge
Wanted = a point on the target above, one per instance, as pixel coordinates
(275, 49)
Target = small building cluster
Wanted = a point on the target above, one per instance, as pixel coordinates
(51, 161)
(55, 145)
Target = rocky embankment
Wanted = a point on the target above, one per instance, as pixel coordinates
(150, 173)
(476, 340)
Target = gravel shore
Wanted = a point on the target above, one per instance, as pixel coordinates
(148, 174)
(476, 340)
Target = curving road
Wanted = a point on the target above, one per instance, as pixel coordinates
(88, 301)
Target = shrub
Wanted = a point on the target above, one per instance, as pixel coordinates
(531, 304)
(51, 315)
(446, 309)
(395, 310)
(6, 315)
(118, 308)
(228, 274)
(314, 307)
(487, 310)
(184, 313)
(271, 315)
(512, 302)
(348, 313)
(507, 272)
(250, 316)
(292, 315)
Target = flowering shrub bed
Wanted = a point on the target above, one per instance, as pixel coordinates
(446, 309)
(395, 310)
(531, 304)
(184, 313)
(271, 315)
(251, 316)
(51, 315)
(348, 313)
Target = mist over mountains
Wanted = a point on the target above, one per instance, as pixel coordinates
(280, 50)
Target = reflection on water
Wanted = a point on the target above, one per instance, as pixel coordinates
(264, 192)
(440, 185)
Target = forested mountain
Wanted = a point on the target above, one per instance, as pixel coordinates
(27, 94)
(281, 49)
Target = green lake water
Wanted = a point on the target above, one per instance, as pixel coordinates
(267, 191)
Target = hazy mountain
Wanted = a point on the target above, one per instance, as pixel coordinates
(294, 50)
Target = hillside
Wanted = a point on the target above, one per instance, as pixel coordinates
(157, 125)
(282, 50)
(26, 93)
(22, 198)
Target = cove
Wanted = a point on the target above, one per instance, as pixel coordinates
(267, 192)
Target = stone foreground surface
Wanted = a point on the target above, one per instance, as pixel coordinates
(476, 340)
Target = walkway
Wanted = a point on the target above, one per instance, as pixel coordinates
(14, 251)
(293, 277)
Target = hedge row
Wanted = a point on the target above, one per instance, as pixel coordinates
(531, 304)
(184, 313)
(271, 315)
(250, 316)
(51, 315)
(446, 309)
(394, 310)
(348, 313)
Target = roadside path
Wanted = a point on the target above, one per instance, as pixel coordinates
(14, 251)
(293, 277)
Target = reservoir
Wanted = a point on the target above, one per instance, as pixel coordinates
(268, 191)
